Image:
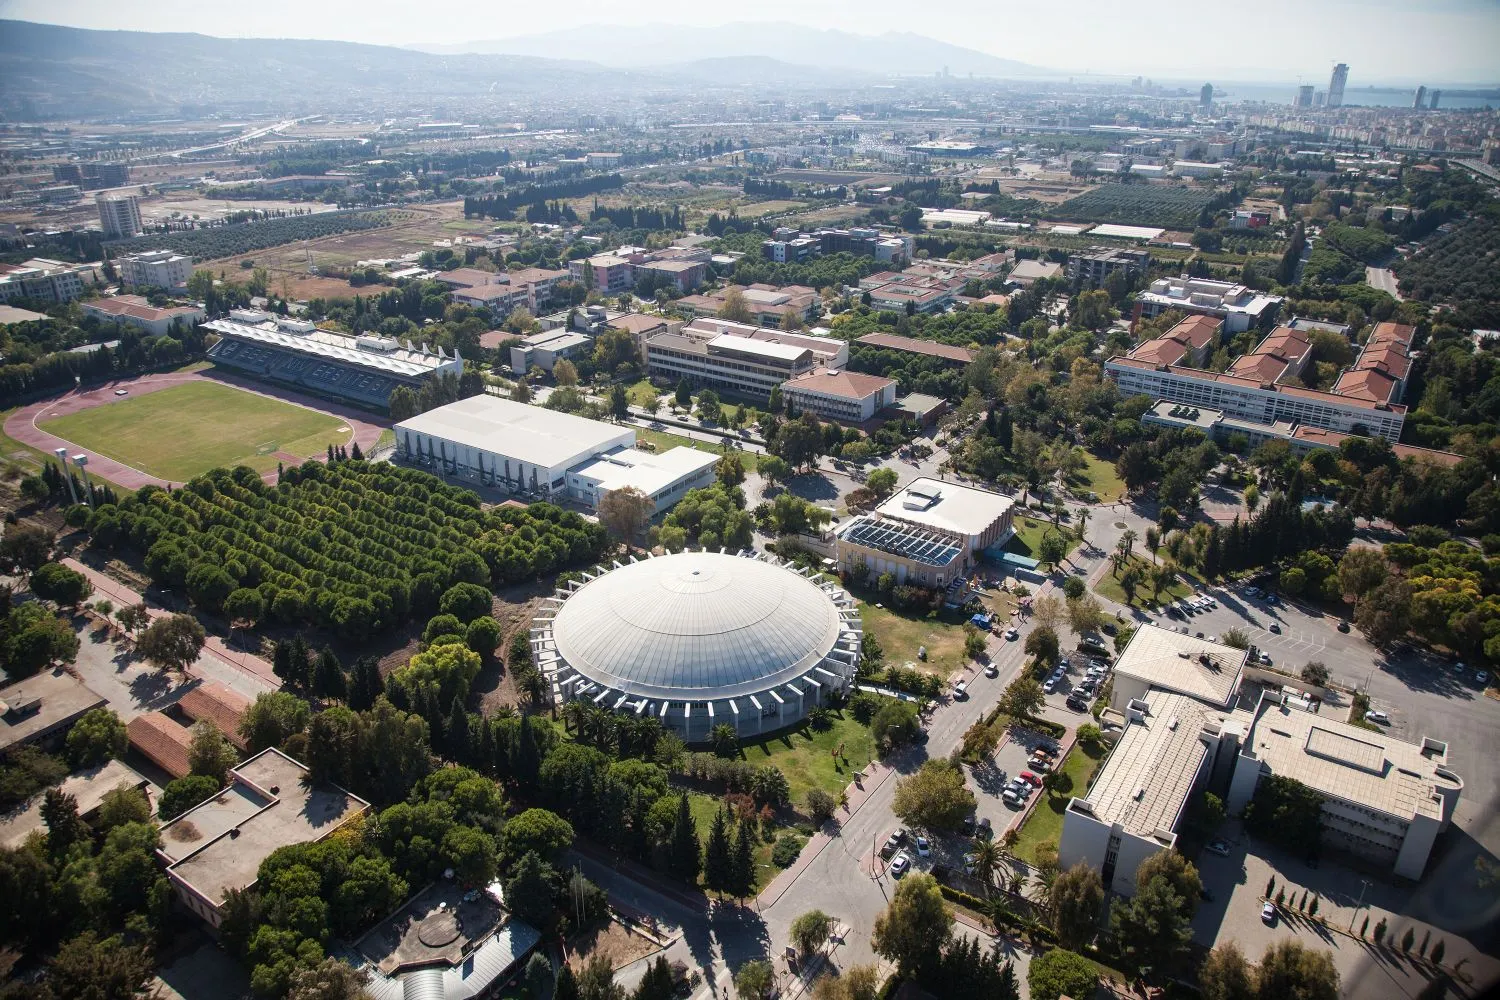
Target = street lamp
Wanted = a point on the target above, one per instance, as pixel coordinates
(1364, 884)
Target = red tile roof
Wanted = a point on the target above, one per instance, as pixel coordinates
(223, 706)
(1261, 367)
(1367, 383)
(890, 341)
(162, 741)
(1250, 383)
(850, 385)
(1198, 330)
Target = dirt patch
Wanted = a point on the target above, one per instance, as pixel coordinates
(329, 288)
(616, 942)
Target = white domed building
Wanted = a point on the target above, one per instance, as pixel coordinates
(697, 639)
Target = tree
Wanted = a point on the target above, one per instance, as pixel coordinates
(24, 548)
(820, 806)
(244, 607)
(328, 680)
(132, 617)
(539, 831)
(1052, 549)
(625, 512)
(734, 306)
(1285, 812)
(520, 392)
(1315, 672)
(619, 402)
(1225, 975)
(1075, 899)
(107, 969)
(55, 582)
(528, 890)
(683, 852)
(774, 469)
(1152, 929)
(1289, 969)
(881, 482)
(725, 740)
(810, 930)
(914, 927)
(209, 753)
(934, 798)
(470, 852)
(1179, 873)
(755, 980)
(365, 685)
(96, 737)
(182, 794)
(64, 827)
(730, 469)
(330, 979)
(895, 723)
(1042, 643)
(742, 863)
(272, 719)
(718, 873)
(1361, 570)
(171, 643)
(466, 601)
(1060, 972)
(1384, 614)
(1023, 697)
(482, 636)
(565, 372)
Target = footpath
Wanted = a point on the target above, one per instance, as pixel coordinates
(122, 595)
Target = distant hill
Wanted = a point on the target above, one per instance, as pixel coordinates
(48, 71)
(660, 45)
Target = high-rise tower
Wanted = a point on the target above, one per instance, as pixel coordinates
(1336, 85)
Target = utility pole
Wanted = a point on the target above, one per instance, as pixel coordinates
(62, 461)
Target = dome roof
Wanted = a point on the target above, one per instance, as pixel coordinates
(696, 626)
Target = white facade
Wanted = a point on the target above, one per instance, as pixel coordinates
(62, 283)
(155, 269)
(1240, 307)
(840, 395)
(665, 477)
(1250, 399)
(119, 215)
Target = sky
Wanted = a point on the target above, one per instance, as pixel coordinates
(1384, 41)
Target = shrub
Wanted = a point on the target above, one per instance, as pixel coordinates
(788, 846)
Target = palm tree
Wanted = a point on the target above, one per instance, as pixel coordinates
(1083, 522)
(1128, 539)
(1116, 560)
(1162, 577)
(987, 859)
(574, 713)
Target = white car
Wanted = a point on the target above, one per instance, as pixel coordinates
(1268, 914)
(924, 846)
(1378, 717)
(900, 865)
(960, 691)
(990, 670)
(1012, 634)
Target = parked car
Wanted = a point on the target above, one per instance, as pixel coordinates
(1030, 779)
(924, 846)
(900, 865)
(1378, 717)
(990, 670)
(969, 860)
(122, 392)
(1268, 914)
(1039, 764)
(960, 691)
(1077, 704)
(985, 831)
(1265, 658)
(1274, 628)
(891, 845)
(1481, 677)
(1219, 847)
(968, 827)
(1343, 626)
(1011, 797)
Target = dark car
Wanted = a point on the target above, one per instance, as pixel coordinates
(968, 826)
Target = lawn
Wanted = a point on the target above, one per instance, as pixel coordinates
(663, 440)
(1100, 477)
(806, 755)
(900, 634)
(1027, 540)
(1109, 585)
(642, 393)
(1046, 820)
(184, 431)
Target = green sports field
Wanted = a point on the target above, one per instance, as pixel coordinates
(178, 433)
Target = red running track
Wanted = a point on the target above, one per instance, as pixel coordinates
(22, 425)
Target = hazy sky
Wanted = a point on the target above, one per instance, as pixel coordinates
(1434, 41)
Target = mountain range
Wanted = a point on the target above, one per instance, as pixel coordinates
(650, 46)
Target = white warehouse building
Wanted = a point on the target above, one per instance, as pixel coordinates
(546, 453)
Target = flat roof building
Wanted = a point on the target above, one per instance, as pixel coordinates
(1239, 307)
(1383, 798)
(88, 788)
(929, 533)
(42, 708)
(1028, 272)
(544, 350)
(1093, 268)
(546, 453)
(1162, 658)
(154, 269)
(269, 802)
(119, 215)
(719, 354)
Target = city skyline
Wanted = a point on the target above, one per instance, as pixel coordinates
(1458, 36)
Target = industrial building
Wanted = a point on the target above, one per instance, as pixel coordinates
(929, 533)
(365, 368)
(546, 453)
(699, 639)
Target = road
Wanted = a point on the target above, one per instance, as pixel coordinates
(1382, 278)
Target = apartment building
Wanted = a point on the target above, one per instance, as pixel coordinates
(1254, 400)
(1239, 307)
(546, 349)
(839, 394)
(911, 291)
(119, 215)
(43, 280)
(1092, 268)
(154, 269)
(683, 275)
(767, 305)
(606, 273)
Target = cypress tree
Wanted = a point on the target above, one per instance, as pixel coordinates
(1006, 436)
(718, 866)
(487, 748)
(281, 662)
(526, 759)
(456, 736)
(365, 685)
(328, 675)
(683, 855)
(566, 987)
(742, 863)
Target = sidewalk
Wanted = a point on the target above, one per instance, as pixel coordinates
(122, 595)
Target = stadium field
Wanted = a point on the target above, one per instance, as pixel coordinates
(182, 431)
